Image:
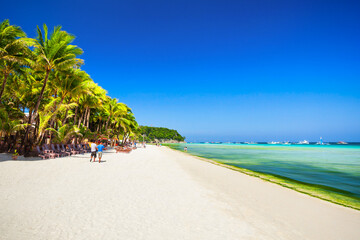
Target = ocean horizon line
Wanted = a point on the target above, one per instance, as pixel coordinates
(275, 143)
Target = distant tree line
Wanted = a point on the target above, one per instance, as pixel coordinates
(159, 133)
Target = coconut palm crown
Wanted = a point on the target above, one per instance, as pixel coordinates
(13, 50)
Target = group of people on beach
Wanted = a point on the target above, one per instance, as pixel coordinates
(96, 148)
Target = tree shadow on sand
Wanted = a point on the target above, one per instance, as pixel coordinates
(4, 157)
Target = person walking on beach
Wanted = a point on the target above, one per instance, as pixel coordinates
(93, 150)
(100, 148)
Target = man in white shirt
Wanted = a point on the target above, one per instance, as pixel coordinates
(93, 147)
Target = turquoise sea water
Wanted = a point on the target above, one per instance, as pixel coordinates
(334, 168)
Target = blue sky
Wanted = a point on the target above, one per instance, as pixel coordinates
(220, 70)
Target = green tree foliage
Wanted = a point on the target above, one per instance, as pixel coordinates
(13, 51)
(160, 133)
(45, 95)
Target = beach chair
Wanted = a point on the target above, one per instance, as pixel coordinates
(87, 150)
(64, 152)
(87, 147)
(44, 155)
(72, 150)
(41, 154)
(76, 148)
(64, 149)
(57, 152)
(80, 148)
(47, 149)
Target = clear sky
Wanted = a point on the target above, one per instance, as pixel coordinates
(221, 70)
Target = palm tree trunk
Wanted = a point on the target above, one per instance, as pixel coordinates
(37, 105)
(126, 136)
(41, 94)
(85, 115)
(122, 142)
(39, 139)
(81, 117)
(3, 84)
(88, 119)
(107, 123)
(36, 130)
(64, 120)
(76, 111)
(24, 140)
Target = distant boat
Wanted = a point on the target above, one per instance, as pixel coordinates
(287, 143)
(343, 143)
(273, 142)
(303, 142)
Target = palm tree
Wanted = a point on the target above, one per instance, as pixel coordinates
(99, 118)
(48, 114)
(114, 109)
(13, 50)
(127, 125)
(54, 53)
(69, 85)
(92, 100)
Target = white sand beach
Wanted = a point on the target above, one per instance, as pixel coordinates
(157, 193)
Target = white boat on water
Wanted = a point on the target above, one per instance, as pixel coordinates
(303, 142)
(343, 143)
(272, 142)
(287, 143)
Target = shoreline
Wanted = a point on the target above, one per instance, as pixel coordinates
(301, 187)
(262, 201)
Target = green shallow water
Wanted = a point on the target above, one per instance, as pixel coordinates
(330, 172)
